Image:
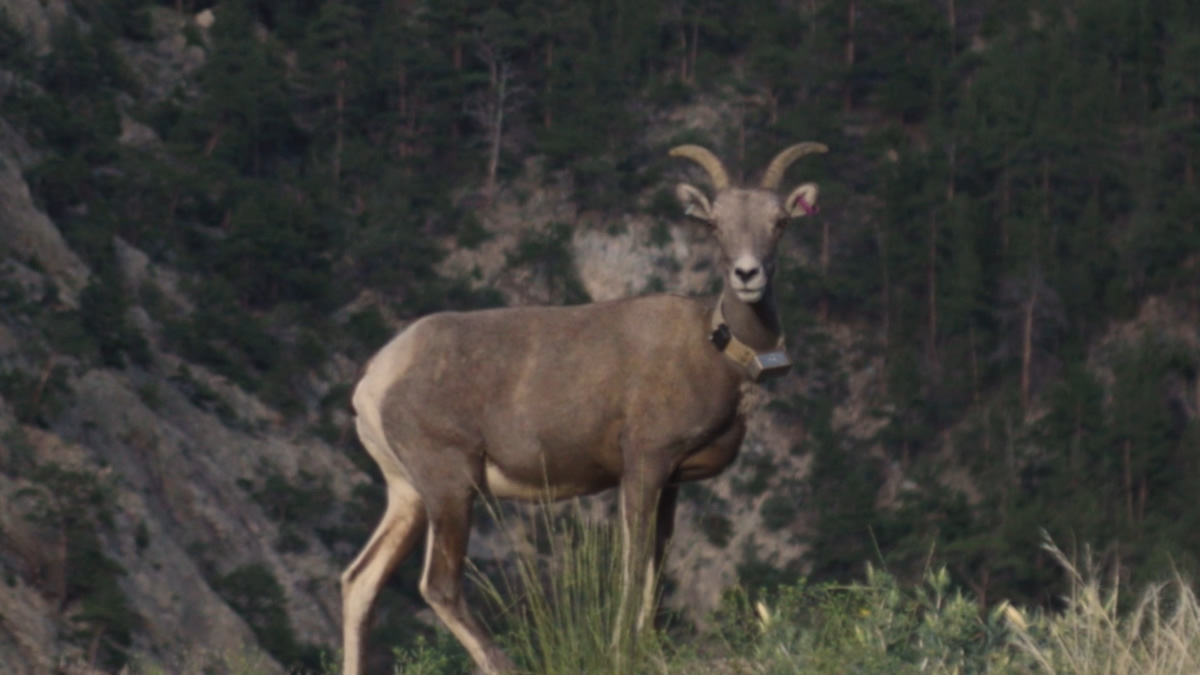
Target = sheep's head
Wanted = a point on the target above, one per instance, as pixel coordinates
(747, 222)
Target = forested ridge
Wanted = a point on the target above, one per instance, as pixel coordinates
(1008, 224)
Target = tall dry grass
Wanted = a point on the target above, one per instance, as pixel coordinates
(1094, 635)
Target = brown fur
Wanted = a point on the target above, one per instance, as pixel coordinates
(629, 374)
(536, 402)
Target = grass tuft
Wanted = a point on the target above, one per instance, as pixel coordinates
(559, 607)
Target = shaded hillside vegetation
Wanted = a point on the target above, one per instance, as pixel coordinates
(995, 315)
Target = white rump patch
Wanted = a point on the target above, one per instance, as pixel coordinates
(382, 372)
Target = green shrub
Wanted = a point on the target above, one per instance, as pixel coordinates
(255, 594)
(470, 233)
(36, 398)
(15, 54)
(548, 255)
(74, 506)
(222, 335)
(753, 475)
(103, 311)
(368, 329)
(759, 575)
(441, 656)
(296, 505)
(778, 511)
(879, 627)
(128, 18)
(141, 536)
(60, 183)
(204, 397)
(665, 209)
(17, 454)
(105, 617)
(458, 295)
(717, 529)
(278, 250)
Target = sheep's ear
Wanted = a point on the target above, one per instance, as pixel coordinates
(802, 201)
(694, 203)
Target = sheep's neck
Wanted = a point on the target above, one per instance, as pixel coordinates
(756, 325)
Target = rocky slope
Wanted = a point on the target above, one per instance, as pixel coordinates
(184, 454)
(186, 472)
(178, 454)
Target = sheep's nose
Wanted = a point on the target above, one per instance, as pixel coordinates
(746, 274)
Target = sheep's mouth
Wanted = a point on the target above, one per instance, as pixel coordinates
(748, 295)
(748, 290)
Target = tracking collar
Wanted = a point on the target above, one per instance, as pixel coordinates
(759, 365)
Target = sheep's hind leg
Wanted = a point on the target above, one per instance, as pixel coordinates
(442, 581)
(398, 532)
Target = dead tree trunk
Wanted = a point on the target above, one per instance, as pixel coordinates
(1127, 460)
(931, 282)
(547, 117)
(500, 92)
(339, 122)
(694, 47)
(1189, 174)
(1027, 348)
(823, 308)
(848, 102)
(491, 109)
(1005, 202)
(885, 278)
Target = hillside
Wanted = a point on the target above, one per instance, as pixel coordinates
(212, 213)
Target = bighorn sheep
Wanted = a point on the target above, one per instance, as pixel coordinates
(552, 402)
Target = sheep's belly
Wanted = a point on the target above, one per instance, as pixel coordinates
(500, 484)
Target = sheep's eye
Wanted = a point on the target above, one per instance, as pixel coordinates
(780, 222)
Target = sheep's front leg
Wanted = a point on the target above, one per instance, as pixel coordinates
(664, 527)
(640, 501)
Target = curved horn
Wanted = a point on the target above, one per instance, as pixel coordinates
(774, 174)
(706, 159)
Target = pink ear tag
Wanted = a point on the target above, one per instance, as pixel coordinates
(808, 208)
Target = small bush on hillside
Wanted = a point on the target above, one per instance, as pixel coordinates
(441, 656)
(103, 309)
(754, 475)
(295, 504)
(717, 529)
(74, 507)
(549, 257)
(254, 593)
(778, 511)
(38, 398)
(881, 627)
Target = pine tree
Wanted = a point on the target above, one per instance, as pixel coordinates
(245, 110)
(333, 63)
